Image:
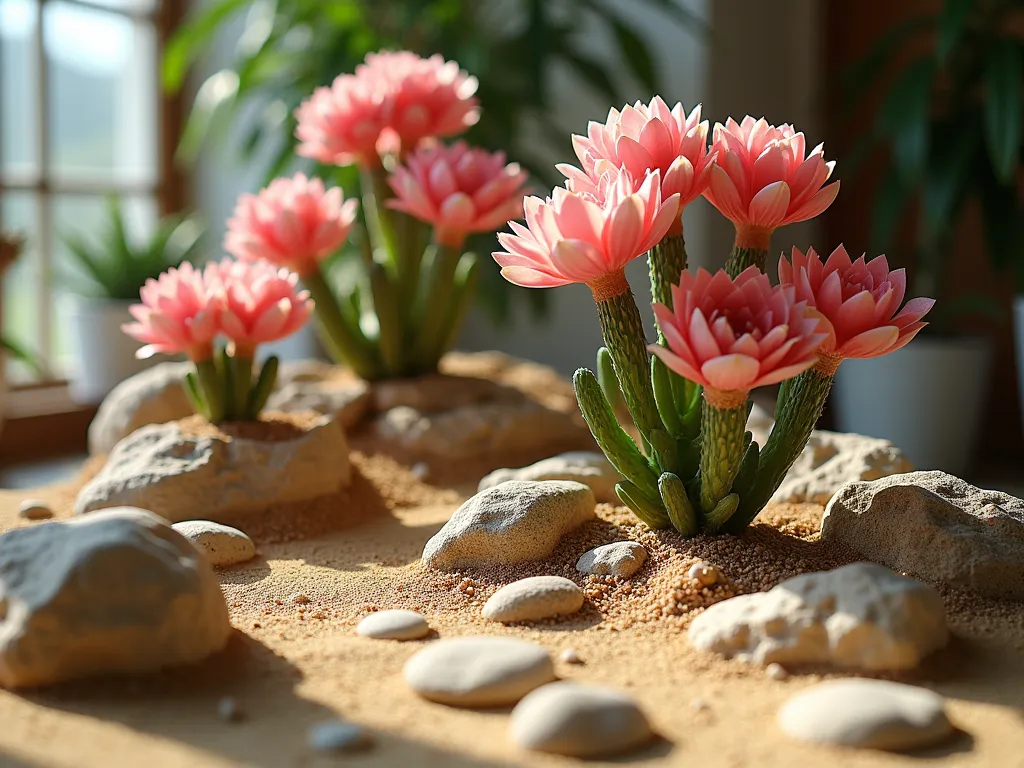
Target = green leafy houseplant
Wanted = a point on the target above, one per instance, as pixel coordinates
(287, 48)
(11, 246)
(952, 122)
(116, 267)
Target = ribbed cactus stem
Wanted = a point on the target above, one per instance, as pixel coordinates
(344, 341)
(723, 422)
(623, 332)
(666, 262)
(749, 249)
(795, 417)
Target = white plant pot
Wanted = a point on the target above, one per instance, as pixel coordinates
(926, 399)
(1018, 343)
(102, 355)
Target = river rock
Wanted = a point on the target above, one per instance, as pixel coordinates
(222, 544)
(515, 522)
(860, 616)
(832, 459)
(869, 714)
(579, 720)
(935, 526)
(397, 624)
(34, 509)
(533, 599)
(338, 736)
(587, 467)
(620, 559)
(177, 474)
(478, 671)
(117, 591)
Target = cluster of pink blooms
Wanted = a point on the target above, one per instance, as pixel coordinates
(187, 309)
(728, 335)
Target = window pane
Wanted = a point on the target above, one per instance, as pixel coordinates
(87, 217)
(103, 94)
(135, 6)
(18, 86)
(18, 213)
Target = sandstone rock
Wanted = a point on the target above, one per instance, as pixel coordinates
(478, 671)
(338, 736)
(177, 475)
(534, 598)
(153, 396)
(870, 714)
(222, 544)
(620, 558)
(579, 720)
(33, 509)
(515, 522)
(585, 467)
(394, 625)
(935, 526)
(832, 459)
(859, 616)
(311, 385)
(118, 591)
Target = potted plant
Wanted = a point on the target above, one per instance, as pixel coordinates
(110, 273)
(951, 121)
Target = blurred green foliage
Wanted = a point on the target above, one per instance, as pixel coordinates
(952, 120)
(289, 47)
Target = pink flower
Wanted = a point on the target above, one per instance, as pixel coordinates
(859, 302)
(643, 138)
(734, 335)
(341, 124)
(576, 238)
(293, 223)
(458, 190)
(761, 178)
(261, 303)
(420, 97)
(180, 312)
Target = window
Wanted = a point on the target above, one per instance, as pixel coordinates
(81, 117)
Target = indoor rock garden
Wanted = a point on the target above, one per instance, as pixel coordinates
(414, 556)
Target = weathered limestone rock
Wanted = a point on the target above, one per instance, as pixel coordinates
(113, 592)
(515, 522)
(222, 544)
(935, 526)
(859, 616)
(179, 475)
(534, 598)
(587, 467)
(620, 559)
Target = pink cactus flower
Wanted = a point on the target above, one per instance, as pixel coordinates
(859, 302)
(294, 223)
(341, 124)
(730, 336)
(179, 313)
(646, 137)
(575, 238)
(421, 98)
(762, 178)
(458, 190)
(261, 303)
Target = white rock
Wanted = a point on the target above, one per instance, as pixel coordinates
(832, 459)
(579, 720)
(935, 526)
(229, 711)
(570, 656)
(776, 671)
(394, 624)
(33, 509)
(338, 736)
(585, 467)
(478, 671)
(222, 544)
(177, 475)
(870, 714)
(117, 591)
(620, 558)
(515, 522)
(534, 598)
(859, 616)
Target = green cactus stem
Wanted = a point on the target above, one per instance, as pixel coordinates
(624, 336)
(241, 382)
(723, 424)
(795, 417)
(750, 249)
(259, 394)
(210, 386)
(648, 511)
(680, 511)
(467, 274)
(389, 319)
(666, 262)
(342, 335)
(435, 302)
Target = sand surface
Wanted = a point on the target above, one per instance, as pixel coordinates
(295, 662)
